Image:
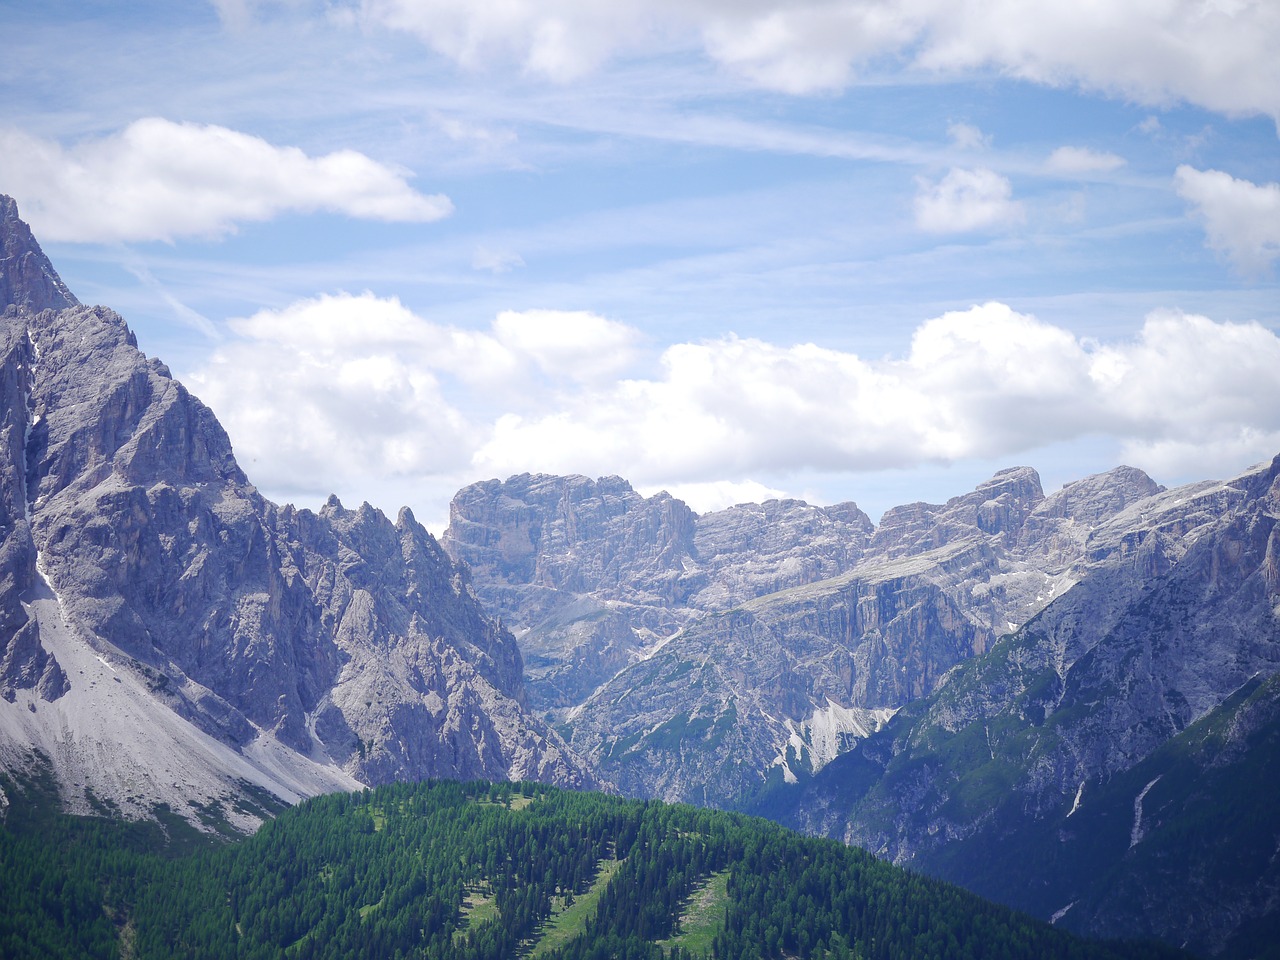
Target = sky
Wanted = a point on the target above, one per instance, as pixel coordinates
(869, 250)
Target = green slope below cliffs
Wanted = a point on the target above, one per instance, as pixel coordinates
(455, 870)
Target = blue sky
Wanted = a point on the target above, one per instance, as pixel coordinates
(832, 249)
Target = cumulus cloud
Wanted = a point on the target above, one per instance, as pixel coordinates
(344, 387)
(1219, 55)
(1081, 161)
(338, 387)
(561, 39)
(985, 382)
(573, 345)
(1241, 219)
(159, 180)
(966, 200)
(802, 47)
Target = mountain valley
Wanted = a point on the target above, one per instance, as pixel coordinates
(1066, 702)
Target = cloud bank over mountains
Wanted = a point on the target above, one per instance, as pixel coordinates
(694, 243)
(573, 393)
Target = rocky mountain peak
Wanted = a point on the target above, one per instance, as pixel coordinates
(27, 278)
(1099, 496)
(998, 506)
(158, 615)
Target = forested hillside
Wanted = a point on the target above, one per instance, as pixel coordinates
(454, 870)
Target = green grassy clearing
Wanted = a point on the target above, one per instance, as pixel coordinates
(478, 908)
(565, 923)
(702, 917)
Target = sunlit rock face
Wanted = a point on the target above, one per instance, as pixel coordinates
(297, 651)
(1111, 764)
(701, 658)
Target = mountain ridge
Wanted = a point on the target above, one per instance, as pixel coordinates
(852, 620)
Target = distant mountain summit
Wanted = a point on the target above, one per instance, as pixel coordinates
(168, 636)
(703, 658)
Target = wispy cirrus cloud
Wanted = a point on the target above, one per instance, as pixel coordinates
(160, 180)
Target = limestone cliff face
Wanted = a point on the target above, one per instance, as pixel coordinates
(587, 572)
(771, 636)
(24, 662)
(322, 649)
(27, 278)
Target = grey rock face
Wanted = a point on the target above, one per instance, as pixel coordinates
(587, 572)
(349, 640)
(27, 279)
(24, 663)
(1013, 775)
(592, 576)
(771, 636)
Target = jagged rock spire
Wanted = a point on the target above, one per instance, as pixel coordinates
(27, 278)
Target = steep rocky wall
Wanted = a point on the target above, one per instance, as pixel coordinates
(1012, 776)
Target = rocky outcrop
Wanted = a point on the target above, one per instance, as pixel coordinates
(593, 577)
(27, 278)
(586, 572)
(301, 651)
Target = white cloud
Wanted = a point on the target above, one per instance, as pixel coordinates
(986, 382)
(1242, 219)
(333, 388)
(718, 494)
(1218, 54)
(341, 388)
(573, 345)
(561, 39)
(1081, 161)
(966, 200)
(338, 387)
(802, 47)
(158, 180)
(968, 137)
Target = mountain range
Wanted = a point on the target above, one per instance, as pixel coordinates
(1065, 701)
